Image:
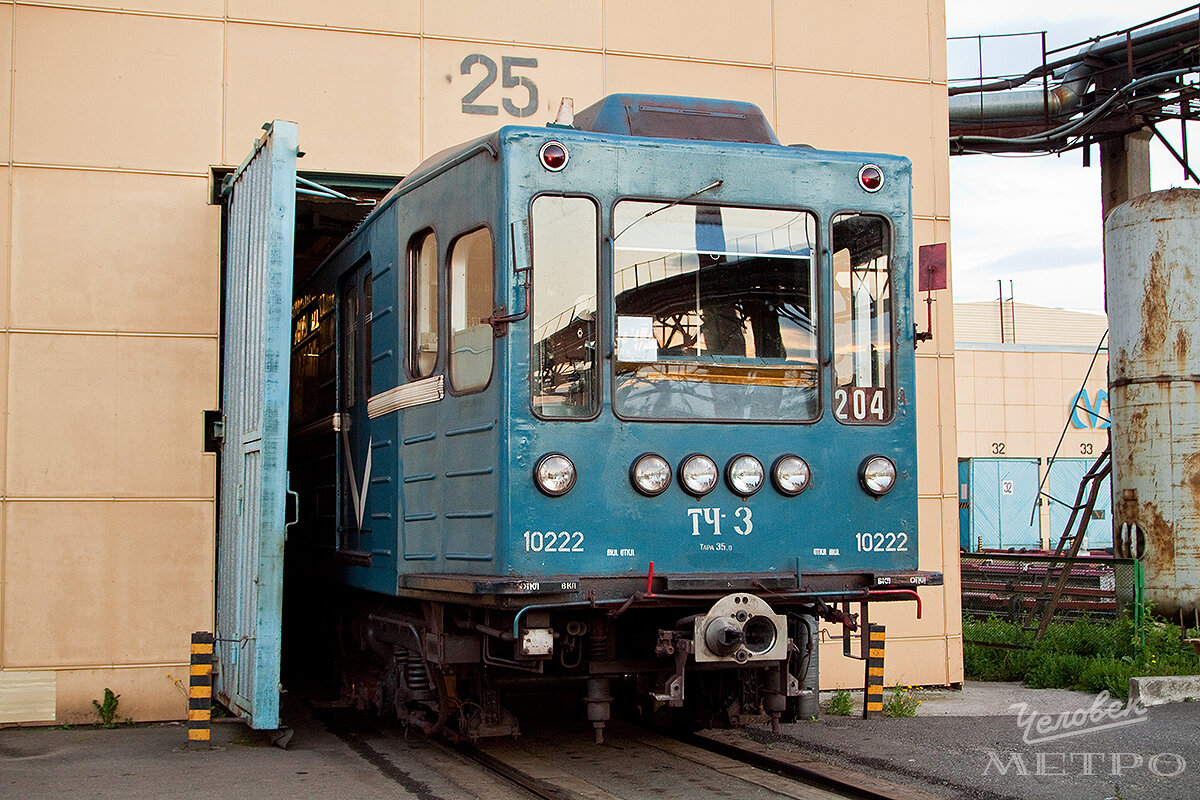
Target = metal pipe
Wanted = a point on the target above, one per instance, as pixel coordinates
(487, 630)
(1067, 96)
(889, 594)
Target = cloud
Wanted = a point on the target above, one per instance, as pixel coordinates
(1037, 259)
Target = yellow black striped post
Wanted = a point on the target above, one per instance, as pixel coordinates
(200, 688)
(873, 700)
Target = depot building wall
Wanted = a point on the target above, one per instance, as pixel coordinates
(111, 121)
(1019, 393)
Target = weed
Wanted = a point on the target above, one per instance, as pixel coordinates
(841, 704)
(1084, 654)
(107, 710)
(902, 703)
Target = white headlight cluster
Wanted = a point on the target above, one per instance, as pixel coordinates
(698, 474)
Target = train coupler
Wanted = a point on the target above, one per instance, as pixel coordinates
(673, 643)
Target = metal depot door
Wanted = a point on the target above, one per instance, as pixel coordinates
(260, 200)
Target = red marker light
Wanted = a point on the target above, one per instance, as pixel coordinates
(553, 155)
(870, 178)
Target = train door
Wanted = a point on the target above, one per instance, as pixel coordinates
(354, 386)
(260, 201)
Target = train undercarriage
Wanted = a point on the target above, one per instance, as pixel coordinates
(460, 668)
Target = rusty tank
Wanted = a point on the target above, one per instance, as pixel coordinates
(1152, 264)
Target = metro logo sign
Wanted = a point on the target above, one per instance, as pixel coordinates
(1092, 417)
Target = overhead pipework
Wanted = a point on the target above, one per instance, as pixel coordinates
(1103, 88)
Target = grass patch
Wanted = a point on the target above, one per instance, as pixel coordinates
(841, 704)
(1085, 655)
(902, 703)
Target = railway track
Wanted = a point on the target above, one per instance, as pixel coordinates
(636, 764)
(804, 768)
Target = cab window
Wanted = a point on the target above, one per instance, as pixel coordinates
(471, 305)
(563, 367)
(862, 319)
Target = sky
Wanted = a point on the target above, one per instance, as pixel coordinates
(1036, 221)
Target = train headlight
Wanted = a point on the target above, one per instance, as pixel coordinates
(554, 474)
(553, 156)
(745, 475)
(877, 475)
(791, 475)
(650, 474)
(870, 178)
(698, 474)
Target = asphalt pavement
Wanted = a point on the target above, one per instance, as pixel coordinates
(1005, 742)
(965, 745)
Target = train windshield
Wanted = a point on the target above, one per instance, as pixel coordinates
(715, 312)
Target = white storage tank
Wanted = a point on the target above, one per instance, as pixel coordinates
(1152, 261)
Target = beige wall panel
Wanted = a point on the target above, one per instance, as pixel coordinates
(1018, 388)
(1019, 364)
(947, 431)
(403, 16)
(930, 553)
(558, 74)
(142, 252)
(106, 416)
(988, 364)
(194, 8)
(359, 115)
(63, 420)
(657, 76)
(939, 149)
(900, 617)
(6, 27)
(147, 693)
(841, 113)
(699, 29)
(839, 39)
(952, 593)
(964, 362)
(166, 385)
(121, 99)
(929, 456)
(5, 391)
(1018, 419)
(912, 662)
(565, 23)
(1020, 444)
(990, 388)
(1049, 418)
(94, 583)
(5, 233)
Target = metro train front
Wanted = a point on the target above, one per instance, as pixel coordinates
(653, 421)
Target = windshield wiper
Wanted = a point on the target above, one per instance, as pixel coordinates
(714, 185)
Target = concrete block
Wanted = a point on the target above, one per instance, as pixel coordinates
(1156, 691)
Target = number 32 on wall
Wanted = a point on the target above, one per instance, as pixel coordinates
(521, 83)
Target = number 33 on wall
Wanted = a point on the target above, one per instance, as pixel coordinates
(524, 89)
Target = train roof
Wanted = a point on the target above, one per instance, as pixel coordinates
(665, 117)
(641, 115)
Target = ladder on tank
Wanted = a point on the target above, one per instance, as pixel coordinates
(1071, 540)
